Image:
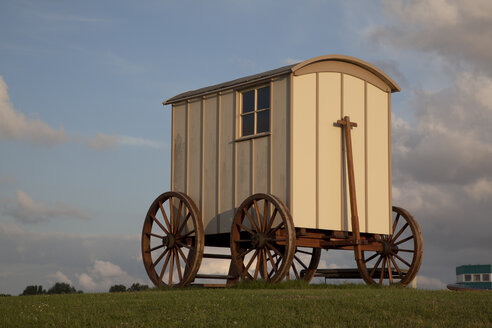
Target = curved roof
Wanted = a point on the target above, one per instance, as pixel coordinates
(256, 78)
(351, 60)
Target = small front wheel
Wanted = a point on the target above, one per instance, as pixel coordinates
(263, 239)
(401, 255)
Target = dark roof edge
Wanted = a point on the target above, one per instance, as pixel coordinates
(227, 85)
(251, 79)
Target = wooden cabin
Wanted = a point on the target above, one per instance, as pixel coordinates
(274, 132)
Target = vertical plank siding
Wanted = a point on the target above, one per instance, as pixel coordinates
(227, 160)
(301, 161)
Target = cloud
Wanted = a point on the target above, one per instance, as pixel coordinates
(451, 29)
(16, 126)
(104, 141)
(442, 155)
(424, 282)
(103, 275)
(291, 61)
(60, 277)
(26, 210)
(92, 262)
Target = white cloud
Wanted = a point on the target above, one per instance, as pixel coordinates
(26, 210)
(103, 275)
(60, 277)
(16, 126)
(104, 141)
(92, 262)
(291, 61)
(424, 282)
(452, 29)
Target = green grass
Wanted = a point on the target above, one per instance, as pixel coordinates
(254, 305)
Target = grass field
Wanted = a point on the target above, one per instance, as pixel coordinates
(293, 305)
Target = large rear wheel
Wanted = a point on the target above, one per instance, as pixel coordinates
(172, 240)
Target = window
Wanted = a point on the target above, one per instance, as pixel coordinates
(467, 277)
(255, 111)
(485, 277)
(476, 277)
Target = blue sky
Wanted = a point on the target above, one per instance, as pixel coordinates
(84, 138)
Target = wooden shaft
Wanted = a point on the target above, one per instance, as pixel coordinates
(346, 126)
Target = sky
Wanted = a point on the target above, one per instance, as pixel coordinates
(85, 140)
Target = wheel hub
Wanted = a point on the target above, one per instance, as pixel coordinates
(388, 249)
(258, 240)
(169, 241)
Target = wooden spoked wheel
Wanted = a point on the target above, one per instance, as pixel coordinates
(172, 240)
(304, 264)
(399, 260)
(263, 239)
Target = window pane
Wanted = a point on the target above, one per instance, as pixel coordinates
(249, 101)
(264, 98)
(467, 277)
(248, 124)
(263, 124)
(476, 277)
(486, 277)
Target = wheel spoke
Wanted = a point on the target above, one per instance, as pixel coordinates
(186, 235)
(245, 252)
(381, 276)
(404, 240)
(251, 219)
(178, 216)
(171, 267)
(270, 223)
(165, 216)
(154, 235)
(157, 247)
(265, 268)
(171, 215)
(395, 223)
(246, 228)
(265, 214)
(178, 265)
(390, 274)
(159, 224)
(274, 266)
(257, 210)
(371, 257)
(184, 245)
(295, 271)
(396, 267)
(159, 258)
(303, 252)
(258, 262)
(164, 266)
(276, 228)
(300, 262)
(406, 250)
(250, 261)
(406, 263)
(274, 249)
(184, 223)
(400, 232)
(184, 257)
(375, 266)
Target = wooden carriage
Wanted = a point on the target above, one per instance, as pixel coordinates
(278, 166)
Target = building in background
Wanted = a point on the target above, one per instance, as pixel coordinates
(473, 277)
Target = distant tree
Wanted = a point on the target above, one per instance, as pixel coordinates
(62, 288)
(5, 295)
(117, 289)
(34, 290)
(136, 287)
